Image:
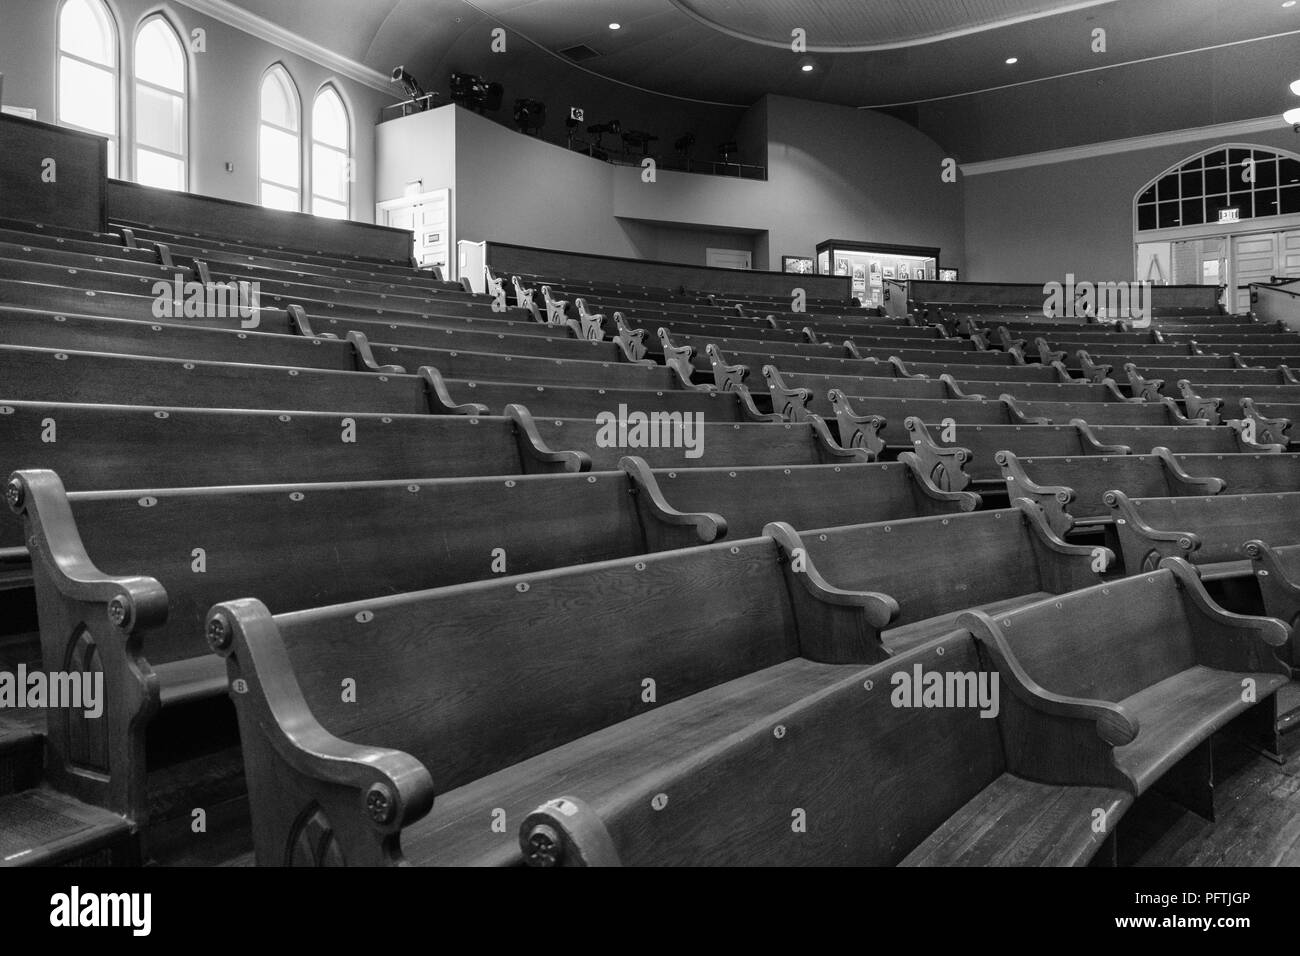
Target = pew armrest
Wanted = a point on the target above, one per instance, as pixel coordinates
(829, 450)
(665, 527)
(789, 403)
(87, 613)
(1222, 639)
(1017, 416)
(1143, 545)
(1240, 429)
(857, 431)
(940, 501)
(954, 389)
(1052, 499)
(1062, 566)
(835, 626)
(942, 465)
(440, 400)
(367, 794)
(536, 454)
(1091, 445)
(1269, 429)
(725, 376)
(365, 357)
(630, 342)
(1053, 737)
(1177, 477)
(1198, 406)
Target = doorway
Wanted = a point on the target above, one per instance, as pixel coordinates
(728, 258)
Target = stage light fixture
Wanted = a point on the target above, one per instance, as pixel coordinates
(411, 86)
(530, 116)
(476, 93)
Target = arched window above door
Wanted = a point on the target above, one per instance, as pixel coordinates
(1256, 181)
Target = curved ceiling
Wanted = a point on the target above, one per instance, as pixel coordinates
(946, 60)
(865, 27)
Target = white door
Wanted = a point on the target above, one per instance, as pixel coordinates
(728, 258)
(1254, 260)
(1290, 264)
(428, 217)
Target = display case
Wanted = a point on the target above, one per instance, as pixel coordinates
(869, 264)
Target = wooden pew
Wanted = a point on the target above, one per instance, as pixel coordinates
(718, 444)
(1152, 389)
(948, 798)
(1272, 420)
(965, 456)
(1205, 399)
(455, 699)
(880, 430)
(805, 496)
(459, 396)
(83, 333)
(293, 546)
(929, 570)
(30, 374)
(1142, 671)
(1163, 412)
(1209, 532)
(1071, 490)
(104, 447)
(1226, 439)
(1277, 572)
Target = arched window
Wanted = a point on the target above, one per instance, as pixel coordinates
(331, 155)
(278, 151)
(87, 72)
(161, 134)
(1236, 181)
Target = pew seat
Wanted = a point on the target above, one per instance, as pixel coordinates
(1147, 691)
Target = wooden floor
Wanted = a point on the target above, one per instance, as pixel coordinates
(1258, 806)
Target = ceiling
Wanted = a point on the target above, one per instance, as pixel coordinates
(906, 55)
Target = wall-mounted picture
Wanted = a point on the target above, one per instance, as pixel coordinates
(800, 265)
(841, 267)
(859, 275)
(948, 275)
(889, 272)
(903, 271)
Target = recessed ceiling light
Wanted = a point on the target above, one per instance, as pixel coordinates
(1288, 5)
(1295, 87)
(807, 68)
(616, 26)
(1012, 60)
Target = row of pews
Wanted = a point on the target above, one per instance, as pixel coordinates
(369, 578)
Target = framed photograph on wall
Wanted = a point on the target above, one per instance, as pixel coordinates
(800, 265)
(948, 275)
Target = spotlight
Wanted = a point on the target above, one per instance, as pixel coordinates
(685, 144)
(530, 116)
(600, 129)
(636, 139)
(1012, 60)
(476, 93)
(411, 86)
(616, 26)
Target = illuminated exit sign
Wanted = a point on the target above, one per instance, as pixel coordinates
(1230, 215)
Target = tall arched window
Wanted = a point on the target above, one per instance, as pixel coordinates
(278, 151)
(331, 155)
(87, 72)
(161, 135)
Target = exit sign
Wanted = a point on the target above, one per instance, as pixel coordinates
(1230, 215)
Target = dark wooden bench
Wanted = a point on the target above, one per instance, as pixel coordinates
(118, 447)
(720, 444)
(947, 798)
(103, 561)
(1277, 573)
(459, 397)
(881, 431)
(929, 570)
(457, 701)
(1228, 438)
(805, 496)
(1152, 388)
(966, 455)
(1205, 399)
(1139, 673)
(1209, 532)
(1163, 412)
(1272, 420)
(1071, 490)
